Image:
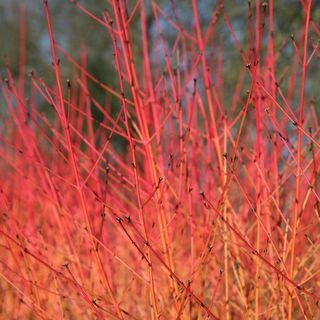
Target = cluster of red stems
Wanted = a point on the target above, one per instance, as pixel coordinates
(209, 211)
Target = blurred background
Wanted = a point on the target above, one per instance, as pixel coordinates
(74, 30)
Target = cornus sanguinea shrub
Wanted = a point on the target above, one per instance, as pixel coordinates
(178, 195)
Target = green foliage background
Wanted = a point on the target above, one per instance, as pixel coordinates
(73, 29)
